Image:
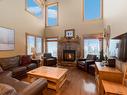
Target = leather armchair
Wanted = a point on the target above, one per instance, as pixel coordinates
(49, 60)
(85, 64)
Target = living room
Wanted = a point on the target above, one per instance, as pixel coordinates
(69, 32)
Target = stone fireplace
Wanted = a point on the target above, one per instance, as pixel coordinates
(69, 55)
(69, 50)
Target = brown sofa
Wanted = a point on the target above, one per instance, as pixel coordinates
(19, 65)
(49, 60)
(12, 86)
(5, 73)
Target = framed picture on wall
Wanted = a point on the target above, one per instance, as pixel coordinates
(70, 33)
(7, 39)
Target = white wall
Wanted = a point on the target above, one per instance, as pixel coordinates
(71, 16)
(115, 15)
(13, 15)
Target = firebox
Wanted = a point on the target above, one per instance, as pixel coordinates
(69, 55)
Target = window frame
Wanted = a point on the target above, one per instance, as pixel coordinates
(46, 13)
(101, 12)
(27, 34)
(41, 44)
(46, 45)
(85, 45)
(41, 5)
(9, 30)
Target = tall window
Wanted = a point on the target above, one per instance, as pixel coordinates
(92, 9)
(34, 42)
(91, 46)
(38, 45)
(113, 48)
(34, 7)
(52, 15)
(52, 45)
(30, 44)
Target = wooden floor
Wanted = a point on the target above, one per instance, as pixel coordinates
(78, 83)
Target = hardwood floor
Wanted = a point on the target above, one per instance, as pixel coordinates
(78, 83)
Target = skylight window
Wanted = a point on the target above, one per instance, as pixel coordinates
(52, 15)
(34, 8)
(92, 9)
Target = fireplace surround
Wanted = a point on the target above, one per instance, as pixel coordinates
(69, 50)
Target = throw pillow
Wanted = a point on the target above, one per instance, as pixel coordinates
(25, 60)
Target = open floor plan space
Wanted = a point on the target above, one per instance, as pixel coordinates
(63, 47)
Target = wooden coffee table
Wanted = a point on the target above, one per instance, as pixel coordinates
(55, 76)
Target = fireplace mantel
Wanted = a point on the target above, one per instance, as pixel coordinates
(69, 44)
(67, 40)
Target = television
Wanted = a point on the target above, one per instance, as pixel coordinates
(118, 47)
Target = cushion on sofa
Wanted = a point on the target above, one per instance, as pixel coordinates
(10, 62)
(7, 90)
(18, 71)
(25, 60)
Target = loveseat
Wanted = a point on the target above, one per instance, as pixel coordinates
(18, 65)
(49, 60)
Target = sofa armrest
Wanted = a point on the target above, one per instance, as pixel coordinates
(36, 87)
(53, 57)
(89, 62)
(36, 61)
(81, 59)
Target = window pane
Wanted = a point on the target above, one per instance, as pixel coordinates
(92, 9)
(91, 46)
(113, 48)
(7, 39)
(38, 45)
(52, 48)
(34, 8)
(52, 15)
(30, 44)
